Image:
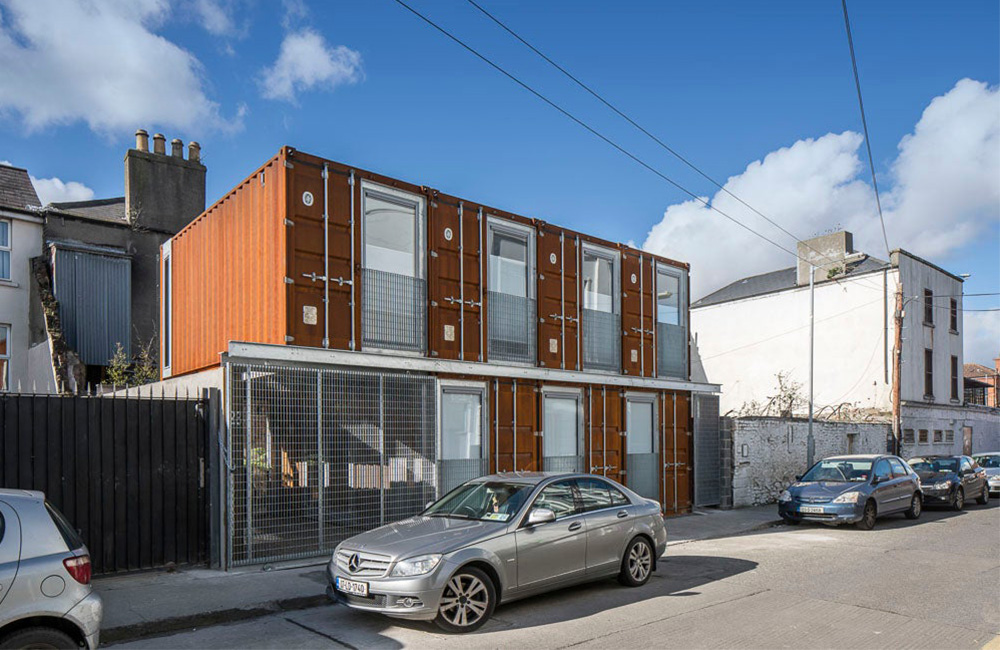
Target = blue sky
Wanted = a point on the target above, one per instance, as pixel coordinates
(725, 83)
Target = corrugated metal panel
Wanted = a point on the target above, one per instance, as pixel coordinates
(707, 455)
(558, 289)
(95, 303)
(228, 269)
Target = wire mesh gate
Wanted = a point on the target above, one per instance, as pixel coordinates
(317, 455)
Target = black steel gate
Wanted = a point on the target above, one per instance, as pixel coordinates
(314, 456)
(128, 472)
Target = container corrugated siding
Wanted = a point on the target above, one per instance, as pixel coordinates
(228, 268)
(94, 293)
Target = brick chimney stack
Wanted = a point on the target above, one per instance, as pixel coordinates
(163, 192)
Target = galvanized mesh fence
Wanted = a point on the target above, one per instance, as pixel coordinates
(393, 311)
(315, 456)
(512, 328)
(601, 340)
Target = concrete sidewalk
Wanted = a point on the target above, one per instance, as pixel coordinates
(159, 602)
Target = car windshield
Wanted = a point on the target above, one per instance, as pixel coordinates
(489, 501)
(934, 464)
(990, 462)
(840, 470)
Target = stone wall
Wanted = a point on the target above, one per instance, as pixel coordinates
(767, 453)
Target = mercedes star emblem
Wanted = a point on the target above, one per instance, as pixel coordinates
(353, 563)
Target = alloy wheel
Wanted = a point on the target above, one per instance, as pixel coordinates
(917, 506)
(640, 560)
(465, 600)
(959, 501)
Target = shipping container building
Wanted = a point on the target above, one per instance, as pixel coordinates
(495, 341)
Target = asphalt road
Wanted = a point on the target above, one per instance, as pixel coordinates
(934, 583)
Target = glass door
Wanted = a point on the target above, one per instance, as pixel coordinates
(562, 444)
(463, 448)
(643, 457)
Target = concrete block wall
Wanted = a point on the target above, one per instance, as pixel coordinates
(767, 453)
(983, 423)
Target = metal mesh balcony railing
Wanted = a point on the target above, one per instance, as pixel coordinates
(512, 327)
(602, 343)
(393, 311)
(671, 346)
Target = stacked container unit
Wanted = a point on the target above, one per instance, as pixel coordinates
(281, 260)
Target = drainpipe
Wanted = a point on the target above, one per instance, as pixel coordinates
(810, 441)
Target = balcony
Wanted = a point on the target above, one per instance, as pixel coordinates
(512, 328)
(393, 311)
(671, 350)
(602, 342)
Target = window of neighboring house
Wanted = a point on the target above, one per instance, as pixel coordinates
(908, 436)
(954, 378)
(928, 373)
(511, 298)
(4, 357)
(5, 237)
(928, 307)
(938, 435)
(953, 315)
(394, 298)
(671, 328)
(949, 435)
(923, 436)
(601, 309)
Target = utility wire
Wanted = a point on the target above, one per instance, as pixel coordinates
(591, 129)
(864, 123)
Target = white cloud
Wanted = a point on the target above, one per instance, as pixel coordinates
(215, 16)
(981, 339)
(944, 181)
(306, 62)
(7, 163)
(54, 190)
(100, 62)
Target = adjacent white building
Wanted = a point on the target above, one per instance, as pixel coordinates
(757, 328)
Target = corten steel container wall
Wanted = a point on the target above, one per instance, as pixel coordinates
(227, 274)
(255, 267)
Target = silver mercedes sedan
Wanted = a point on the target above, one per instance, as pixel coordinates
(499, 538)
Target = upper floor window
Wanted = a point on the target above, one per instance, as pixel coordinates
(953, 315)
(928, 307)
(4, 357)
(671, 328)
(511, 299)
(600, 278)
(5, 237)
(394, 292)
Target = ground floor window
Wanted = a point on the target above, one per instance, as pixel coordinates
(463, 444)
(641, 446)
(4, 357)
(562, 427)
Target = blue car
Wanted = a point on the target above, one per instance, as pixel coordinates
(852, 490)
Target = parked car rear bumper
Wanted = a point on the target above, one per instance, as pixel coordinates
(833, 513)
(87, 615)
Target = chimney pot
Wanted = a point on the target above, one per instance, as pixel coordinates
(177, 148)
(159, 143)
(194, 151)
(142, 140)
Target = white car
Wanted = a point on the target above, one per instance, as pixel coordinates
(990, 462)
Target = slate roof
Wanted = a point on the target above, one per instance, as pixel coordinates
(977, 370)
(16, 190)
(104, 210)
(774, 281)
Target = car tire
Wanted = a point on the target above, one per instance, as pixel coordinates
(958, 501)
(468, 592)
(916, 507)
(984, 497)
(637, 563)
(867, 521)
(39, 637)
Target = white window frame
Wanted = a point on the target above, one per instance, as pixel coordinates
(616, 274)
(399, 197)
(512, 229)
(167, 310)
(681, 275)
(644, 398)
(9, 249)
(5, 356)
(467, 388)
(567, 393)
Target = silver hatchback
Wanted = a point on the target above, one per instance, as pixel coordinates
(499, 538)
(46, 599)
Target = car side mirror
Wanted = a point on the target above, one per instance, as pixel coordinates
(540, 516)
(798, 477)
(876, 480)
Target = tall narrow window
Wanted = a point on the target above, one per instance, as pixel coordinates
(463, 445)
(511, 306)
(5, 237)
(601, 309)
(671, 328)
(394, 296)
(953, 313)
(562, 444)
(4, 357)
(640, 445)
(954, 378)
(928, 373)
(168, 311)
(928, 307)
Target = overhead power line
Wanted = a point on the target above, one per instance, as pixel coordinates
(864, 124)
(592, 130)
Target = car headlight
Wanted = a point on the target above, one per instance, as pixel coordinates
(848, 497)
(785, 497)
(942, 485)
(416, 566)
